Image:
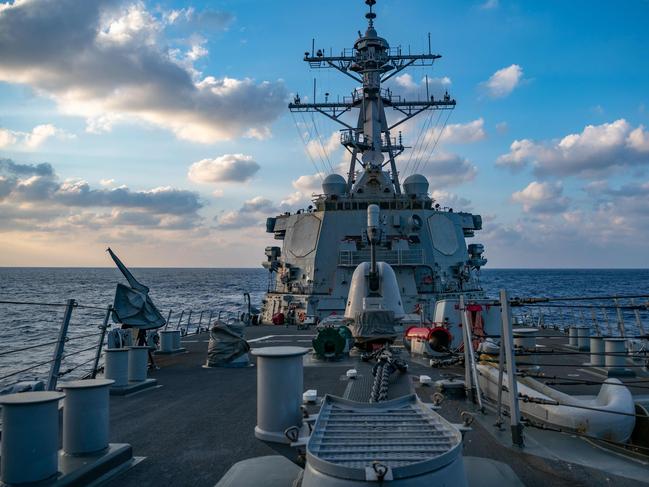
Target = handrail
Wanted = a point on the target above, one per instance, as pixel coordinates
(71, 330)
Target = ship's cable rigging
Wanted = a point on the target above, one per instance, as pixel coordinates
(324, 150)
(439, 136)
(415, 146)
(425, 141)
(418, 151)
(308, 153)
(315, 143)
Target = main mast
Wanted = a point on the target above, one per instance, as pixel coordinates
(371, 63)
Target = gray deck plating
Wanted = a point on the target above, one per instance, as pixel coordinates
(200, 423)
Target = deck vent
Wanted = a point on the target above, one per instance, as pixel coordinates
(396, 440)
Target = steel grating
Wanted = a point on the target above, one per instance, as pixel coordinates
(397, 433)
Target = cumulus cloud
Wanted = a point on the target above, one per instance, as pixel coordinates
(201, 20)
(33, 139)
(228, 168)
(542, 198)
(598, 149)
(7, 138)
(258, 203)
(41, 133)
(309, 184)
(252, 213)
(504, 81)
(459, 133)
(109, 61)
(445, 169)
(33, 193)
(317, 148)
(305, 187)
(451, 200)
(406, 84)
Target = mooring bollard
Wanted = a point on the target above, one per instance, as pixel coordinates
(30, 436)
(116, 366)
(525, 338)
(167, 341)
(572, 336)
(615, 354)
(583, 338)
(597, 351)
(85, 416)
(176, 339)
(279, 391)
(138, 357)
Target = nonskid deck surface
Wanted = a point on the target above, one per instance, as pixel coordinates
(199, 422)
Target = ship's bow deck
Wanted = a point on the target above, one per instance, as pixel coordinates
(198, 422)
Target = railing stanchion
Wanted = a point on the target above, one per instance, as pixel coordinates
(514, 412)
(189, 322)
(60, 345)
(168, 318)
(469, 354)
(620, 318)
(468, 378)
(609, 330)
(200, 320)
(100, 345)
(182, 312)
(501, 373)
(638, 321)
(595, 324)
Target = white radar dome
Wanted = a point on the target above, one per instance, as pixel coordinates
(334, 184)
(416, 185)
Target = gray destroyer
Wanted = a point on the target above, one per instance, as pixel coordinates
(425, 244)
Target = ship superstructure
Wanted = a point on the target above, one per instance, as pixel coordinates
(423, 242)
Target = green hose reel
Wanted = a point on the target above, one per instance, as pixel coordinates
(332, 342)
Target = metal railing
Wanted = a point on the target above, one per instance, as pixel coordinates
(351, 258)
(192, 321)
(69, 351)
(621, 316)
(74, 349)
(561, 313)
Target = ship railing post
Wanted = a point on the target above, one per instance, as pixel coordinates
(200, 320)
(102, 336)
(180, 319)
(638, 321)
(189, 322)
(168, 318)
(512, 384)
(209, 320)
(501, 374)
(60, 345)
(467, 346)
(595, 323)
(620, 318)
(609, 330)
(470, 365)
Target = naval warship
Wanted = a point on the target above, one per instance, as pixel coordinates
(466, 391)
(425, 244)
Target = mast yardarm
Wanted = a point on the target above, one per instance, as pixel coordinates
(371, 63)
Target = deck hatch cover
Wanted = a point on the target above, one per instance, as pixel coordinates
(403, 434)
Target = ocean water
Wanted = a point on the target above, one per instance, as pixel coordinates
(214, 290)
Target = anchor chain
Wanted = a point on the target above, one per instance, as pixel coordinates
(386, 364)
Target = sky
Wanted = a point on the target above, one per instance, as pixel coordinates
(161, 128)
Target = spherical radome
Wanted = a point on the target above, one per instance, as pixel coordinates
(334, 184)
(416, 184)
